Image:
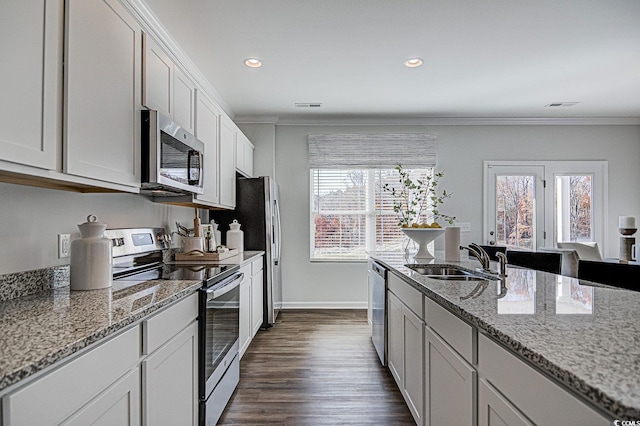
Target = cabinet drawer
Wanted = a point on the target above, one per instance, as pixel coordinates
(407, 294)
(457, 333)
(168, 322)
(256, 265)
(541, 400)
(55, 396)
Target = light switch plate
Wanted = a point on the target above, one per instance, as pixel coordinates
(64, 245)
(464, 227)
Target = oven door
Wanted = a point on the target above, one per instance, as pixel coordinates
(219, 330)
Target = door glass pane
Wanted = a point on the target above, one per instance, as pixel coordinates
(574, 214)
(515, 211)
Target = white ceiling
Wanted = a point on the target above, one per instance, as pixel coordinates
(483, 59)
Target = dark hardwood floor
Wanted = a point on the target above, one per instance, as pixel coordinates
(315, 367)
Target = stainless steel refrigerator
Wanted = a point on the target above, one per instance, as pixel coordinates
(258, 211)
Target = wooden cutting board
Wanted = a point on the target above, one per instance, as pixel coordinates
(199, 256)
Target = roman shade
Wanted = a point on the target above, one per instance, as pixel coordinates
(372, 151)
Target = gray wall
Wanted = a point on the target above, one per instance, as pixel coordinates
(461, 152)
(31, 219)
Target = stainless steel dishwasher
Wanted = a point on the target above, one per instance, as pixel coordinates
(379, 309)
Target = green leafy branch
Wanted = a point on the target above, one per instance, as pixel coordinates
(413, 197)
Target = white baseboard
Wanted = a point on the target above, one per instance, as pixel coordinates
(324, 305)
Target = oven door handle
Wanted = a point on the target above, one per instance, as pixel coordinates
(230, 283)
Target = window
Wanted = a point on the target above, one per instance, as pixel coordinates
(351, 213)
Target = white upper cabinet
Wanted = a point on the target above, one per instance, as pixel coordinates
(228, 133)
(158, 76)
(184, 95)
(102, 77)
(30, 47)
(244, 155)
(166, 88)
(208, 131)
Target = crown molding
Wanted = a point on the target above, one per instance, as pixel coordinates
(439, 121)
(152, 25)
(256, 119)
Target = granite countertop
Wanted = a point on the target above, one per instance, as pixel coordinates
(39, 330)
(583, 334)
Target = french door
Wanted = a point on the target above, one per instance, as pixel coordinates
(531, 204)
(514, 205)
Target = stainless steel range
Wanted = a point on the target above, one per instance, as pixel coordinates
(138, 256)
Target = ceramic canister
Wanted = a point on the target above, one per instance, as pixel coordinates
(91, 257)
(235, 237)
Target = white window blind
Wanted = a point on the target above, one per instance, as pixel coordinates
(377, 151)
(351, 213)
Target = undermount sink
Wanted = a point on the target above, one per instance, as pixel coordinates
(446, 273)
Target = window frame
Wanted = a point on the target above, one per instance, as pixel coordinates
(370, 213)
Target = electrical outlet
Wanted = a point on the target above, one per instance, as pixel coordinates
(464, 227)
(64, 245)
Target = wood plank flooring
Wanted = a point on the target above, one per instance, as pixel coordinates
(315, 367)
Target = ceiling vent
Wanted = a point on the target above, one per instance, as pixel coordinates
(308, 104)
(562, 104)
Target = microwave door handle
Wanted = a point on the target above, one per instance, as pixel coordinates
(201, 168)
(190, 155)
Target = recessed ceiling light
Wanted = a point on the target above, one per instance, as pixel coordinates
(413, 62)
(253, 62)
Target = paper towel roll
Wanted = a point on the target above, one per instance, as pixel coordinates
(452, 244)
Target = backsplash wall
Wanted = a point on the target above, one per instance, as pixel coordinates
(31, 219)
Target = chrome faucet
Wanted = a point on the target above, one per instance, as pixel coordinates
(480, 254)
(485, 257)
(502, 259)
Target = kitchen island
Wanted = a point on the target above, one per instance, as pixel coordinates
(581, 335)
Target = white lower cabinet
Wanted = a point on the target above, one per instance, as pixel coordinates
(251, 302)
(449, 385)
(495, 410)
(113, 385)
(170, 386)
(118, 405)
(257, 294)
(405, 343)
(527, 391)
(76, 385)
(245, 309)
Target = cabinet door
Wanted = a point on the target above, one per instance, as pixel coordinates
(30, 37)
(257, 299)
(395, 359)
(102, 77)
(245, 312)
(118, 405)
(227, 163)
(413, 366)
(449, 394)
(158, 77)
(170, 377)
(184, 95)
(208, 131)
(495, 410)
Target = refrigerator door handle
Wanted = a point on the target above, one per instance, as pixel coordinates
(276, 232)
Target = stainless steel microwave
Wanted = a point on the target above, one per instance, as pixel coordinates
(171, 157)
